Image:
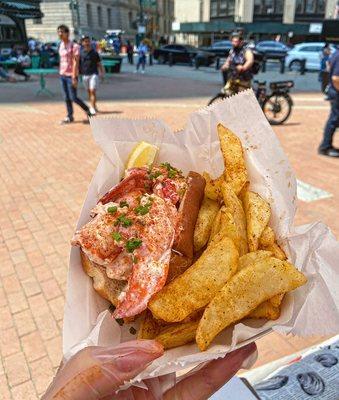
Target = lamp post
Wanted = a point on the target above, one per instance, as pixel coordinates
(74, 6)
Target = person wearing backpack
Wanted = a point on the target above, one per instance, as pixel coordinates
(69, 53)
(238, 65)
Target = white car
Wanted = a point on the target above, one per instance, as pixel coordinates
(311, 52)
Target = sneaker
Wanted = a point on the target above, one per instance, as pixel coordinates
(330, 152)
(92, 111)
(142, 71)
(67, 120)
(136, 71)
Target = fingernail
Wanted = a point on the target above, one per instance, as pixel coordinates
(248, 349)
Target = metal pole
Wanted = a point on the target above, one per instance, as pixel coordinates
(141, 11)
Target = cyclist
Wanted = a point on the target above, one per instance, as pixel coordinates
(238, 66)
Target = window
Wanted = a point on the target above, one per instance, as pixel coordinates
(89, 15)
(310, 6)
(299, 8)
(99, 16)
(279, 6)
(214, 8)
(130, 19)
(109, 18)
(321, 6)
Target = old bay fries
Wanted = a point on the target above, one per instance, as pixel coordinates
(208, 210)
(265, 310)
(197, 286)
(212, 188)
(244, 292)
(267, 241)
(258, 213)
(235, 169)
(177, 334)
(149, 327)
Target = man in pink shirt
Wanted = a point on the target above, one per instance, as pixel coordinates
(69, 53)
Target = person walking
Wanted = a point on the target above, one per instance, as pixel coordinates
(142, 51)
(324, 73)
(326, 147)
(130, 51)
(69, 53)
(90, 68)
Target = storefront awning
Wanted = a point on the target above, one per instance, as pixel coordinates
(21, 9)
(254, 27)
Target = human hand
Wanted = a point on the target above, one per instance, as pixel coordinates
(97, 372)
(239, 68)
(74, 82)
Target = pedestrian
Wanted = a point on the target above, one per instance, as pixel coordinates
(326, 147)
(69, 53)
(4, 75)
(23, 61)
(142, 51)
(130, 52)
(324, 73)
(90, 68)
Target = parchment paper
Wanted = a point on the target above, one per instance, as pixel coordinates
(312, 309)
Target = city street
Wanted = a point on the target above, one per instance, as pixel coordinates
(45, 169)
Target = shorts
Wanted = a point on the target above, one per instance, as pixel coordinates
(90, 81)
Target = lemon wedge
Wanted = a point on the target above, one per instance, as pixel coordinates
(142, 155)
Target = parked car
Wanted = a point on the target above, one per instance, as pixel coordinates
(220, 48)
(180, 53)
(272, 49)
(311, 52)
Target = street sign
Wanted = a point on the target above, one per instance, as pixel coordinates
(175, 26)
(316, 28)
(141, 29)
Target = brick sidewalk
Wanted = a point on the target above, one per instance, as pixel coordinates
(45, 169)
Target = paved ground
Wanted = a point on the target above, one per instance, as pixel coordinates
(45, 169)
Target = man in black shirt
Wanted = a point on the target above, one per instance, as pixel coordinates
(90, 68)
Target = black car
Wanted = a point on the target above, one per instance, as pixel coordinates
(272, 49)
(183, 53)
(220, 49)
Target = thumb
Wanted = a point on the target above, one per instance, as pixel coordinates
(107, 370)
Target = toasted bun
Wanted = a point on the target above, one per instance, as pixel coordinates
(104, 286)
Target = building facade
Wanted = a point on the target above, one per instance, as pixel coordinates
(94, 17)
(294, 20)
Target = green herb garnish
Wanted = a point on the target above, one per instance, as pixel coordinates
(171, 171)
(116, 236)
(154, 175)
(123, 204)
(133, 244)
(134, 259)
(143, 210)
(123, 220)
(112, 210)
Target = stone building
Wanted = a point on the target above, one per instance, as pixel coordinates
(204, 21)
(94, 17)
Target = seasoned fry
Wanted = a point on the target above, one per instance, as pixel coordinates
(198, 285)
(258, 213)
(244, 292)
(234, 207)
(149, 327)
(203, 226)
(178, 334)
(276, 250)
(251, 258)
(212, 188)
(267, 237)
(216, 225)
(265, 310)
(235, 169)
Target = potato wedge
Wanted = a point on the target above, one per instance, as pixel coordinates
(197, 286)
(258, 213)
(208, 210)
(215, 226)
(243, 293)
(265, 310)
(212, 188)
(178, 334)
(235, 169)
(234, 207)
(267, 237)
(277, 251)
(250, 258)
(149, 328)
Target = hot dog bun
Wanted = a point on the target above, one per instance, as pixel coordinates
(107, 288)
(188, 214)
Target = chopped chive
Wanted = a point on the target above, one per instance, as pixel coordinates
(116, 236)
(123, 220)
(112, 210)
(123, 204)
(133, 244)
